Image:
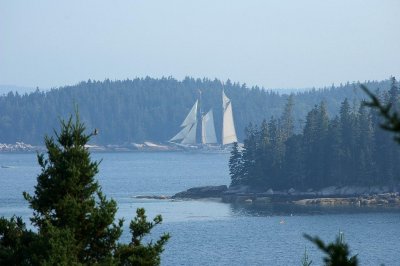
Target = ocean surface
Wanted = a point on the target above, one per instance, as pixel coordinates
(208, 232)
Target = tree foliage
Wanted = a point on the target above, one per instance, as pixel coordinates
(336, 253)
(344, 150)
(305, 260)
(143, 109)
(74, 221)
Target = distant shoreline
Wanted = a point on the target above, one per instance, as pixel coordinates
(373, 196)
(21, 147)
(147, 146)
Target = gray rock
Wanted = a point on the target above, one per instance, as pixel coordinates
(202, 192)
(158, 197)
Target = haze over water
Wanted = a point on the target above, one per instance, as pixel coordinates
(208, 232)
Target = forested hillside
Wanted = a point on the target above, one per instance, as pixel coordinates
(347, 149)
(152, 109)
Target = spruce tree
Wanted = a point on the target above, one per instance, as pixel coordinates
(287, 120)
(235, 165)
(68, 197)
(336, 253)
(249, 156)
(75, 222)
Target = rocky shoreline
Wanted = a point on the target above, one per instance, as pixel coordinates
(19, 147)
(330, 196)
(129, 147)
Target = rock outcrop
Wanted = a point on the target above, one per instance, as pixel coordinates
(346, 195)
(385, 199)
(201, 192)
(157, 197)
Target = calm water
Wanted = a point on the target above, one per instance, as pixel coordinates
(213, 233)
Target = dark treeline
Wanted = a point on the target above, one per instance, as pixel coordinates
(152, 109)
(348, 149)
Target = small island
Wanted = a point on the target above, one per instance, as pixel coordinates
(341, 161)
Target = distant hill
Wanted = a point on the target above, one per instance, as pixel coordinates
(142, 109)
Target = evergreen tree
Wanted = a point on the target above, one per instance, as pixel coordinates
(74, 220)
(264, 158)
(235, 165)
(334, 153)
(337, 253)
(347, 160)
(387, 165)
(314, 138)
(365, 147)
(127, 111)
(249, 156)
(293, 174)
(342, 151)
(67, 195)
(305, 261)
(277, 150)
(287, 120)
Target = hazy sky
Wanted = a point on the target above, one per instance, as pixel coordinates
(275, 44)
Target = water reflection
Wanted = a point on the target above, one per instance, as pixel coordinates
(289, 209)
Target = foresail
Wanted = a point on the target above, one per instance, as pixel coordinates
(188, 133)
(208, 130)
(191, 135)
(228, 128)
(182, 134)
(191, 118)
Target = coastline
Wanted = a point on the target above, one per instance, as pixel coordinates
(374, 196)
(132, 147)
(147, 146)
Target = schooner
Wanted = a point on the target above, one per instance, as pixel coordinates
(187, 135)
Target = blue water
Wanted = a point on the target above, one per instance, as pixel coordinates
(208, 232)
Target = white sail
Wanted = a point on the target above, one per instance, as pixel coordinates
(187, 135)
(228, 126)
(191, 118)
(182, 134)
(225, 101)
(207, 129)
(190, 137)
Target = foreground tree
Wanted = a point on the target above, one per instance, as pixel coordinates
(337, 253)
(75, 222)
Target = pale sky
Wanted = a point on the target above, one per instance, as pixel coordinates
(274, 44)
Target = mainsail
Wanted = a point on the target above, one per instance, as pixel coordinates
(207, 129)
(228, 126)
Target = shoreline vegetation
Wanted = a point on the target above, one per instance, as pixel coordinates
(152, 109)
